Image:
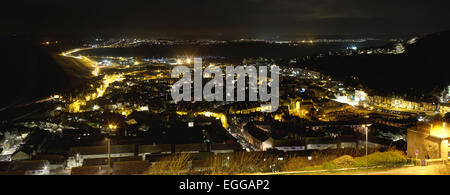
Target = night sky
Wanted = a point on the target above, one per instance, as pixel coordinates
(226, 18)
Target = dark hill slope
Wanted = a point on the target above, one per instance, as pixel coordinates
(421, 71)
(28, 72)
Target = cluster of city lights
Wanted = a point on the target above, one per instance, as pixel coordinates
(439, 131)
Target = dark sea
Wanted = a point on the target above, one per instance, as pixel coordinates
(234, 50)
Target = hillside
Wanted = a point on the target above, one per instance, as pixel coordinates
(29, 71)
(419, 72)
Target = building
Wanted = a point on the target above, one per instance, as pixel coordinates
(427, 142)
(5, 166)
(78, 154)
(161, 149)
(98, 155)
(444, 108)
(90, 170)
(257, 137)
(104, 161)
(130, 167)
(262, 137)
(25, 153)
(56, 161)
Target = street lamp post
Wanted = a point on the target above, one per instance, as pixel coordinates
(443, 138)
(367, 150)
(108, 139)
(109, 155)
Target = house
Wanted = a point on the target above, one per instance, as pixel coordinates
(444, 108)
(257, 137)
(31, 167)
(264, 138)
(6, 157)
(104, 161)
(78, 154)
(145, 150)
(24, 153)
(155, 157)
(190, 148)
(220, 148)
(56, 161)
(5, 166)
(319, 143)
(287, 145)
(36, 140)
(425, 143)
(130, 167)
(90, 170)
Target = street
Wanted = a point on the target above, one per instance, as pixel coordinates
(415, 170)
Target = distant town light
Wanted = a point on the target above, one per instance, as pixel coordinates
(439, 131)
(144, 108)
(112, 126)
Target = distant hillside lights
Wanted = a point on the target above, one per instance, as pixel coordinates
(399, 49)
(217, 83)
(445, 95)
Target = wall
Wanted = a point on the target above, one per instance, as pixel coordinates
(426, 145)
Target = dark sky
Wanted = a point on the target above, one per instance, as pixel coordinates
(226, 18)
